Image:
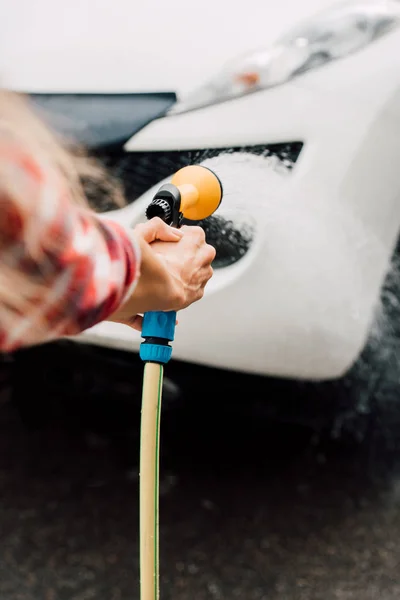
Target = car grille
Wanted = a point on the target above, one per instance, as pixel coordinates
(139, 171)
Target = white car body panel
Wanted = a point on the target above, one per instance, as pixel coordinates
(302, 301)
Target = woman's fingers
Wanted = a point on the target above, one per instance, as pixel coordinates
(156, 229)
(205, 256)
(135, 322)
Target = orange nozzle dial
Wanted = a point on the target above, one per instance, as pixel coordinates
(200, 190)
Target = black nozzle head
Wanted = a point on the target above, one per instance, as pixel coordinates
(166, 205)
(159, 208)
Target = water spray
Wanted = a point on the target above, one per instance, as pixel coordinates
(195, 193)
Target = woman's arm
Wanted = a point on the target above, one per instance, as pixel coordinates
(62, 268)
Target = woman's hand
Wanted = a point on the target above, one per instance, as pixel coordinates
(175, 268)
(189, 264)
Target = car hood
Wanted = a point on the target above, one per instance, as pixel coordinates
(125, 46)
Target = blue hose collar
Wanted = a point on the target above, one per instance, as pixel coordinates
(158, 330)
(157, 324)
(155, 353)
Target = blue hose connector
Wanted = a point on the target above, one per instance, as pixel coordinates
(158, 330)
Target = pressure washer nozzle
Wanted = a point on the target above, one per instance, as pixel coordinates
(194, 193)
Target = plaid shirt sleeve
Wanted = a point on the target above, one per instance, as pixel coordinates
(73, 267)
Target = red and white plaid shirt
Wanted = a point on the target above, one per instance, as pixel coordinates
(77, 266)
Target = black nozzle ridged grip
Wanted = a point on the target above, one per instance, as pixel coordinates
(159, 207)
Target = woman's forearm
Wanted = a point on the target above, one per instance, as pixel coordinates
(64, 269)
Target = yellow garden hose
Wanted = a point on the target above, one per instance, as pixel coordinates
(149, 480)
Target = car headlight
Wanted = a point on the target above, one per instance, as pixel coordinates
(331, 35)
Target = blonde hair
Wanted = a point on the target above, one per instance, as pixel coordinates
(81, 175)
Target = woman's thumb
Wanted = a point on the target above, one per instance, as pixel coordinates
(156, 229)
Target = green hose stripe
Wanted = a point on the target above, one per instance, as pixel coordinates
(156, 488)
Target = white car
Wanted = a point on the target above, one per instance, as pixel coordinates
(295, 105)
